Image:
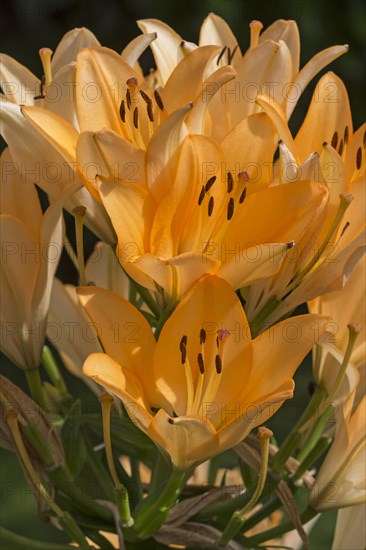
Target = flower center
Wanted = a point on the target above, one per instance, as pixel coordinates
(204, 387)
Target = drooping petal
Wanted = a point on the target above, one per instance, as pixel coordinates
(196, 118)
(60, 133)
(125, 334)
(121, 382)
(166, 47)
(19, 85)
(187, 440)
(307, 73)
(35, 156)
(136, 47)
(276, 114)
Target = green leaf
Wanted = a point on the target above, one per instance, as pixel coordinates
(74, 445)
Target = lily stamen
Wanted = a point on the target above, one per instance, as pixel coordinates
(209, 183)
(45, 54)
(221, 55)
(158, 100)
(255, 29)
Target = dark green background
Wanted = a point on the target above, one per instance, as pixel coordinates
(27, 25)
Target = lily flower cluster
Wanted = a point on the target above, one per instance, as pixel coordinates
(211, 223)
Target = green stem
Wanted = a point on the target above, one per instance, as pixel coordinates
(312, 457)
(35, 386)
(151, 513)
(159, 474)
(13, 540)
(290, 443)
(51, 367)
(316, 433)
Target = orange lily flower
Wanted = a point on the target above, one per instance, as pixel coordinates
(205, 384)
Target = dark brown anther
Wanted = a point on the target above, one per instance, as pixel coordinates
(334, 141)
(122, 111)
(202, 196)
(210, 206)
(136, 118)
(158, 100)
(341, 147)
(209, 183)
(203, 336)
(150, 112)
(183, 342)
(201, 364)
(346, 226)
(230, 209)
(221, 55)
(359, 158)
(170, 420)
(230, 182)
(346, 135)
(128, 99)
(218, 364)
(243, 195)
(230, 55)
(145, 97)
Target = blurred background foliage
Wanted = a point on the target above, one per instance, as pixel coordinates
(27, 25)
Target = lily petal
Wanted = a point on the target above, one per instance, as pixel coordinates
(99, 94)
(186, 440)
(249, 147)
(70, 45)
(187, 77)
(329, 112)
(288, 32)
(162, 152)
(122, 383)
(129, 341)
(307, 73)
(19, 85)
(131, 209)
(166, 48)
